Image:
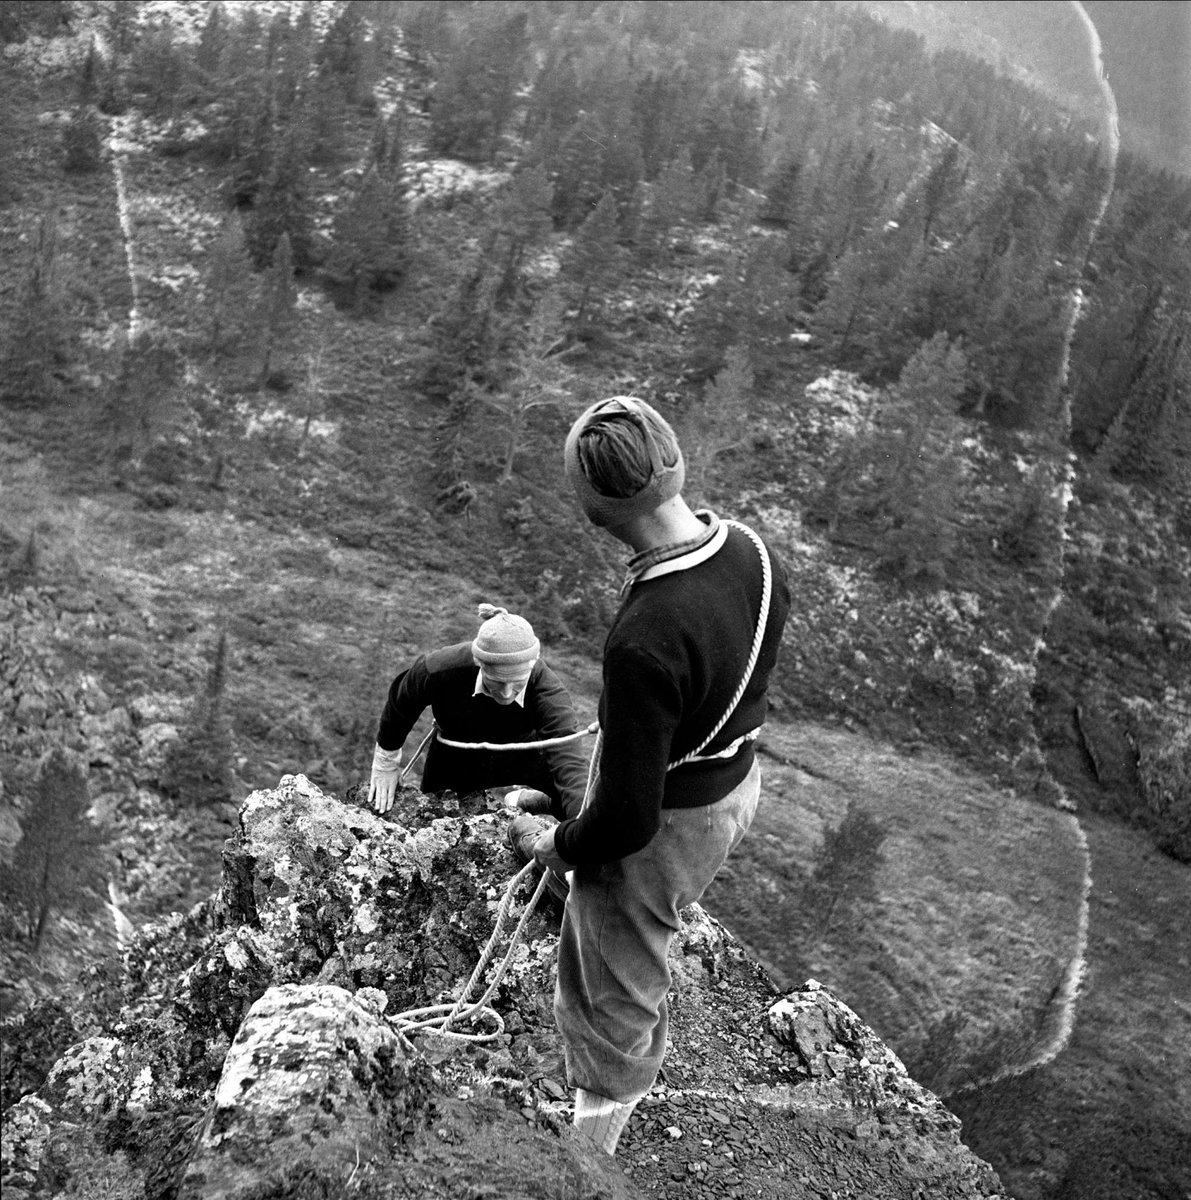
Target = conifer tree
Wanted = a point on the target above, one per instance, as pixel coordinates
(57, 865)
(82, 140)
(919, 477)
(279, 303)
(282, 204)
(38, 331)
(212, 41)
(593, 260)
(521, 221)
(229, 285)
(198, 768)
(370, 240)
(713, 424)
(538, 378)
(475, 90)
(675, 198)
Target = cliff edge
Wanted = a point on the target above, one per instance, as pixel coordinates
(252, 1047)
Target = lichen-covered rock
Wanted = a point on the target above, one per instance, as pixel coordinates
(312, 1075)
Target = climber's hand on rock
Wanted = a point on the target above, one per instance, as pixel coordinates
(382, 788)
(529, 800)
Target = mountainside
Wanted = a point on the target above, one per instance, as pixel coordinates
(297, 305)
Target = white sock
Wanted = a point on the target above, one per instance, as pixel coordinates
(601, 1119)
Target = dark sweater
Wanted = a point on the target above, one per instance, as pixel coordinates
(444, 681)
(673, 659)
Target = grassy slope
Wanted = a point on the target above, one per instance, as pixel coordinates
(976, 905)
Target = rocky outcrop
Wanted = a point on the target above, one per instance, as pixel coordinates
(257, 1047)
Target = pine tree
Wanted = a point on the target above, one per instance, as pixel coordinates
(370, 240)
(58, 864)
(675, 199)
(229, 286)
(38, 331)
(713, 425)
(521, 222)
(212, 41)
(476, 86)
(282, 204)
(82, 141)
(198, 768)
(279, 303)
(538, 378)
(919, 478)
(845, 869)
(594, 257)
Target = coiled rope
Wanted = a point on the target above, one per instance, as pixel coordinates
(438, 1018)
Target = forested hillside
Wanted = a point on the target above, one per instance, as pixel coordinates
(298, 302)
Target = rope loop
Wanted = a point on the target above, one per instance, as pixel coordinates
(438, 1018)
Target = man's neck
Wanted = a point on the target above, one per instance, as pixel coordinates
(670, 522)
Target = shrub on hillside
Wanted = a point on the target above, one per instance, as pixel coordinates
(1162, 738)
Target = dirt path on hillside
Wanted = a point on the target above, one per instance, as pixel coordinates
(1108, 1119)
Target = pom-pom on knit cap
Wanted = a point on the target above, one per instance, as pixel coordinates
(505, 645)
(665, 482)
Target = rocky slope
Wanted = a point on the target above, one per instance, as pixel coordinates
(255, 1047)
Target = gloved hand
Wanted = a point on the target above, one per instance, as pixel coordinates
(528, 800)
(547, 855)
(523, 833)
(382, 788)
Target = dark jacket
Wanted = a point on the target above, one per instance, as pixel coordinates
(673, 659)
(444, 681)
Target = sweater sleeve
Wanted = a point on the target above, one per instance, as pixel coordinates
(554, 716)
(409, 695)
(640, 710)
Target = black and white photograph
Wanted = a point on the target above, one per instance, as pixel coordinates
(595, 599)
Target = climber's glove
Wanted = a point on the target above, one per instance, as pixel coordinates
(382, 788)
(548, 856)
(528, 800)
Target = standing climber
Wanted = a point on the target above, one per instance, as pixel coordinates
(666, 805)
(497, 689)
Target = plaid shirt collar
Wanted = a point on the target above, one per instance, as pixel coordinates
(678, 556)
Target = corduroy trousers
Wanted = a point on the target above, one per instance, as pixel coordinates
(619, 921)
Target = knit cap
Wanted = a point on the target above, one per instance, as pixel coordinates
(664, 482)
(505, 644)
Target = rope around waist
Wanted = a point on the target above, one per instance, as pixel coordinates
(729, 751)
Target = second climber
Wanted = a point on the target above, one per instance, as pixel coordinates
(495, 688)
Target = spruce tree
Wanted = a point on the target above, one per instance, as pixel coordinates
(713, 424)
(82, 141)
(212, 42)
(675, 199)
(198, 767)
(919, 471)
(228, 286)
(57, 865)
(282, 204)
(592, 262)
(370, 239)
(38, 332)
(279, 302)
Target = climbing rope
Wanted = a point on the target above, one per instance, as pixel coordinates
(542, 745)
(758, 638)
(438, 1018)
